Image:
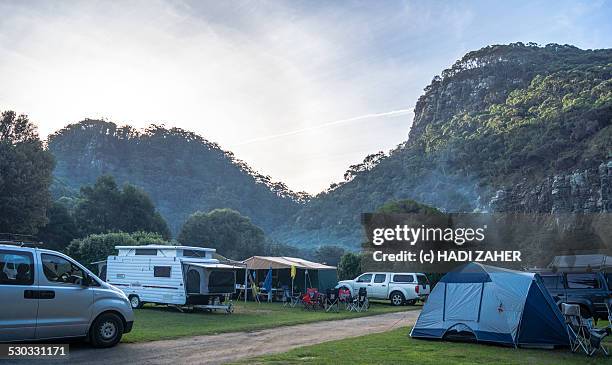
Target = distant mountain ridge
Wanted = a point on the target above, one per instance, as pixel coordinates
(515, 127)
(181, 171)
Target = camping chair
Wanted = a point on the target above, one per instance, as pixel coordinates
(331, 300)
(581, 332)
(289, 299)
(360, 302)
(344, 296)
(311, 299)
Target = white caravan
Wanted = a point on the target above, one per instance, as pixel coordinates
(172, 275)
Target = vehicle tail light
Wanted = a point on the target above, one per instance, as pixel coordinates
(416, 289)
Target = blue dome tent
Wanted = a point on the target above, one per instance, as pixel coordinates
(489, 304)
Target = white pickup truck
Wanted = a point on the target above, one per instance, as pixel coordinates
(399, 288)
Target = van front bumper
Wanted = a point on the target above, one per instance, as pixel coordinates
(128, 326)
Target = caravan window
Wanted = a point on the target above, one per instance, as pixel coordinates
(162, 271)
(145, 252)
(222, 282)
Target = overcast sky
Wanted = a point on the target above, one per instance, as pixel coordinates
(299, 90)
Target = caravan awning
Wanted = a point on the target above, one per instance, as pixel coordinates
(212, 265)
(283, 262)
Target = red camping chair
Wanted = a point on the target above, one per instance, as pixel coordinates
(344, 296)
(311, 299)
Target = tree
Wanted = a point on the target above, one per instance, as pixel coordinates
(26, 176)
(329, 255)
(96, 247)
(407, 206)
(60, 230)
(349, 266)
(233, 235)
(104, 207)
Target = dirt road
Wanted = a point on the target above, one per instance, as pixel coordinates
(228, 347)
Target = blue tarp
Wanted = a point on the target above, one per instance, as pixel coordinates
(491, 304)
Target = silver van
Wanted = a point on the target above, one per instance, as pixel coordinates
(47, 295)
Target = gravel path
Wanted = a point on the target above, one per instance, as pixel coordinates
(229, 347)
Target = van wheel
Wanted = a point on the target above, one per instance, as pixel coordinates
(397, 298)
(106, 330)
(135, 301)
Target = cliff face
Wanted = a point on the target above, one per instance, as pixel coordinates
(585, 191)
(507, 128)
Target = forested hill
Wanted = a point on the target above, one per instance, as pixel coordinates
(181, 171)
(508, 128)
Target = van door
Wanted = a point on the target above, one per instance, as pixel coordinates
(65, 304)
(18, 305)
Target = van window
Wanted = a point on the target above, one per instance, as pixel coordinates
(553, 281)
(145, 252)
(59, 270)
(365, 278)
(162, 271)
(582, 281)
(16, 268)
(380, 278)
(403, 278)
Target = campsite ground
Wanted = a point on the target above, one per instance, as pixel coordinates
(161, 323)
(396, 347)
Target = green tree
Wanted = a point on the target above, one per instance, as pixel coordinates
(97, 247)
(60, 230)
(233, 235)
(349, 266)
(104, 207)
(329, 255)
(405, 207)
(26, 176)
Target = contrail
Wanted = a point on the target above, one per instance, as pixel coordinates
(392, 113)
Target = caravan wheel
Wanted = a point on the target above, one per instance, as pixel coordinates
(135, 301)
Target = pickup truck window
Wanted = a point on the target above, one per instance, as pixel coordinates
(380, 278)
(422, 280)
(365, 278)
(553, 281)
(582, 281)
(403, 278)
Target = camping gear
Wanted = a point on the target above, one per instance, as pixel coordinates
(307, 273)
(344, 296)
(267, 285)
(581, 331)
(489, 304)
(311, 299)
(331, 300)
(360, 302)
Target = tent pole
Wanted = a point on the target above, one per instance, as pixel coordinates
(246, 275)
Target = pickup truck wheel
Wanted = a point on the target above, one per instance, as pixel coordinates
(397, 298)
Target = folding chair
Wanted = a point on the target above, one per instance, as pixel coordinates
(311, 299)
(255, 292)
(362, 304)
(332, 301)
(344, 296)
(581, 332)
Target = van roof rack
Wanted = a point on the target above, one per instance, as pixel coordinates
(18, 239)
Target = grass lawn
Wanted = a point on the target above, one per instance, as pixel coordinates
(157, 323)
(396, 347)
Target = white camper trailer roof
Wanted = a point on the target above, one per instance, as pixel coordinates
(166, 247)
